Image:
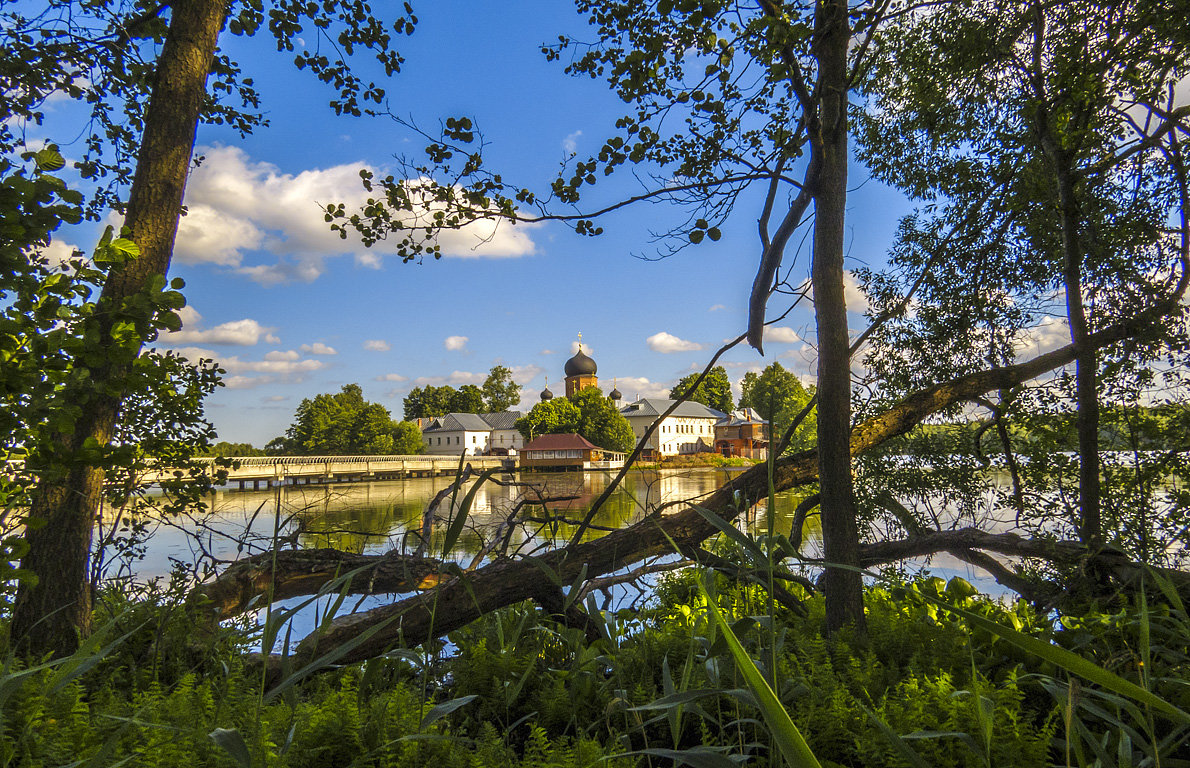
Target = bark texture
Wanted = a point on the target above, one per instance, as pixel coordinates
(49, 615)
(828, 139)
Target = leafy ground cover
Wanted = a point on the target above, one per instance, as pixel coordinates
(939, 680)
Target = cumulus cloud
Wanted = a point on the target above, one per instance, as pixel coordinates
(717, 307)
(250, 217)
(853, 295)
(455, 343)
(1048, 335)
(574, 347)
(391, 377)
(781, 335)
(377, 345)
(636, 387)
(276, 398)
(59, 252)
(277, 366)
(570, 143)
(318, 348)
(666, 343)
(236, 333)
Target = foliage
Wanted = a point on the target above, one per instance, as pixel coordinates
(233, 450)
(407, 440)
(345, 424)
(778, 396)
(588, 413)
(49, 349)
(549, 417)
(500, 392)
(713, 392)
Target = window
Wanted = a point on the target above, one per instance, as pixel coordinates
(473, 439)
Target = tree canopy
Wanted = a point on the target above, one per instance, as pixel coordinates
(345, 424)
(778, 396)
(588, 413)
(498, 393)
(713, 392)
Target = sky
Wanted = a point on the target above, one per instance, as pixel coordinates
(291, 311)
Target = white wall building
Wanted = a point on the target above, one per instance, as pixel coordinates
(473, 434)
(689, 429)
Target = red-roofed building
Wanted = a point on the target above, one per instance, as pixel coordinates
(565, 451)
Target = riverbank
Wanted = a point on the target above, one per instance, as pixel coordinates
(698, 461)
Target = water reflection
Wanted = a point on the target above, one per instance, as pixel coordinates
(380, 516)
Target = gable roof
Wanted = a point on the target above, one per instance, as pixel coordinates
(561, 442)
(456, 422)
(502, 419)
(741, 417)
(654, 407)
(474, 422)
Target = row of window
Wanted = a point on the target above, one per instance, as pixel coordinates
(474, 439)
(568, 454)
(687, 429)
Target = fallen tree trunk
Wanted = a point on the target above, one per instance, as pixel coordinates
(254, 581)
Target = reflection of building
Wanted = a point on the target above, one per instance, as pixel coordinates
(742, 433)
(689, 429)
(473, 434)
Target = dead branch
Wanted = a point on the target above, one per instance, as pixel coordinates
(270, 576)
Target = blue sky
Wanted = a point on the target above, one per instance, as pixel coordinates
(291, 311)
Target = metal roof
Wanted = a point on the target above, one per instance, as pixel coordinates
(560, 442)
(654, 407)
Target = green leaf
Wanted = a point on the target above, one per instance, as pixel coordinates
(789, 739)
(233, 744)
(1067, 660)
(445, 708)
(49, 159)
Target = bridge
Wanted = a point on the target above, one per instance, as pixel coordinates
(271, 471)
(305, 470)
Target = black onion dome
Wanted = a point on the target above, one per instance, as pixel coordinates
(615, 394)
(546, 394)
(580, 365)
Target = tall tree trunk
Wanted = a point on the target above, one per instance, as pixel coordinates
(840, 537)
(51, 614)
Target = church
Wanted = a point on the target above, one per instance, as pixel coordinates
(689, 429)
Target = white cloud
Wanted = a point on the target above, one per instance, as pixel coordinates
(58, 252)
(455, 343)
(781, 335)
(276, 398)
(525, 373)
(289, 365)
(852, 294)
(1048, 335)
(236, 333)
(717, 307)
(549, 352)
(391, 377)
(238, 206)
(574, 347)
(635, 388)
(570, 143)
(666, 343)
(377, 345)
(318, 348)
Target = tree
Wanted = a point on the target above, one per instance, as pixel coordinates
(106, 55)
(341, 424)
(549, 417)
(600, 422)
(714, 392)
(725, 97)
(467, 399)
(500, 392)
(778, 396)
(407, 440)
(428, 402)
(588, 413)
(1055, 172)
